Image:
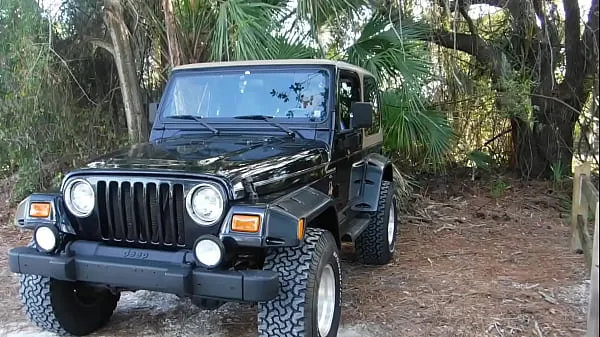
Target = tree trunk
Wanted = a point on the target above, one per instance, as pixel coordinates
(544, 146)
(542, 141)
(171, 31)
(137, 120)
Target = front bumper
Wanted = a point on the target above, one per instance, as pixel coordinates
(144, 269)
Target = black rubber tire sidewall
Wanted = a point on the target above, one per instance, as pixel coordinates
(52, 305)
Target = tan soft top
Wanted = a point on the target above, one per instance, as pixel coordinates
(338, 64)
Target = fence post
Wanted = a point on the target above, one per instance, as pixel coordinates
(593, 310)
(577, 208)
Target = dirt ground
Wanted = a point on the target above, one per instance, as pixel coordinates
(467, 264)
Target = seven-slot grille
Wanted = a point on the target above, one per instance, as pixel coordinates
(142, 212)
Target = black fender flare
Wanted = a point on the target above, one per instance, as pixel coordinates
(283, 214)
(365, 181)
(58, 215)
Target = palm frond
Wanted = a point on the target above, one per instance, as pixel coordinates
(391, 52)
(195, 23)
(241, 30)
(394, 53)
(287, 49)
(422, 134)
(318, 14)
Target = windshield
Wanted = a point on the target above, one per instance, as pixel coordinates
(292, 94)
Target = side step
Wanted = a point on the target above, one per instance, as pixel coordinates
(356, 227)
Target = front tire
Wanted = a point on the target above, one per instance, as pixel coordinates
(65, 308)
(309, 301)
(376, 244)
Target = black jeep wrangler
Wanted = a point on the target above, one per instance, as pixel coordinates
(253, 176)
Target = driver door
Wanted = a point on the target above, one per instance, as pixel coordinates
(347, 142)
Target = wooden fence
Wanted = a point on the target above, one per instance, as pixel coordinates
(585, 199)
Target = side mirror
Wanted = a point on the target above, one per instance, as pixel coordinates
(361, 115)
(152, 109)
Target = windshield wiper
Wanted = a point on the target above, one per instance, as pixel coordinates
(197, 119)
(267, 119)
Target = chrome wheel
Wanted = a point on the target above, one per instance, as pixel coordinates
(391, 225)
(326, 300)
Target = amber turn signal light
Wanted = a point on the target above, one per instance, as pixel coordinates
(245, 223)
(39, 209)
(300, 229)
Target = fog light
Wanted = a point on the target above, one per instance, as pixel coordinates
(45, 238)
(209, 251)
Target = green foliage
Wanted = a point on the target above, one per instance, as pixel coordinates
(239, 32)
(244, 30)
(516, 98)
(42, 122)
(392, 54)
(414, 131)
(558, 176)
(498, 188)
(59, 101)
(481, 159)
(319, 13)
(291, 48)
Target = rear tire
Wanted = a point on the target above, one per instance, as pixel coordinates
(305, 271)
(376, 244)
(63, 308)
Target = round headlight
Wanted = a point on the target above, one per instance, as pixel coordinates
(45, 238)
(208, 252)
(205, 204)
(80, 199)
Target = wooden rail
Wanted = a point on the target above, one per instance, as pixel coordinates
(585, 199)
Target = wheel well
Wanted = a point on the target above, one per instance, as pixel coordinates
(388, 173)
(327, 220)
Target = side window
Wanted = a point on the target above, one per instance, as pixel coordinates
(348, 92)
(372, 95)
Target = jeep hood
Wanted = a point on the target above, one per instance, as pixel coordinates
(265, 161)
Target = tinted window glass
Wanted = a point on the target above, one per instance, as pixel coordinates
(289, 94)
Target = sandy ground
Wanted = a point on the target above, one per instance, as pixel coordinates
(467, 265)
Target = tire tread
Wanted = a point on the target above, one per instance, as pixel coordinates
(284, 315)
(372, 245)
(34, 291)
